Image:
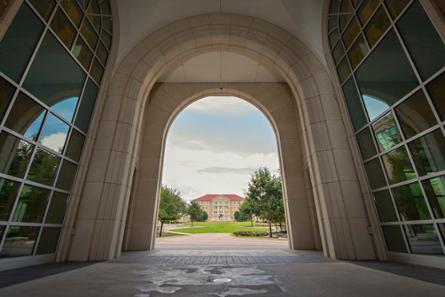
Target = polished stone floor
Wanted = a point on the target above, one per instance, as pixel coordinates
(266, 269)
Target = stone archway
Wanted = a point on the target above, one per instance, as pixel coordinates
(105, 192)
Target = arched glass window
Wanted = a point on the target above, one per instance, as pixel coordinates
(52, 59)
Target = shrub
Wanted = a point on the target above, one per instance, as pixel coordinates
(251, 233)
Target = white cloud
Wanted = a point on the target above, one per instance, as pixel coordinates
(54, 141)
(221, 105)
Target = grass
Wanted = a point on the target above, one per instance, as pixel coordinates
(168, 234)
(218, 227)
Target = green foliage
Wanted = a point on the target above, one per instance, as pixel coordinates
(171, 207)
(240, 217)
(251, 233)
(196, 213)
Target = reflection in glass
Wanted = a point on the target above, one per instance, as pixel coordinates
(66, 175)
(396, 6)
(88, 33)
(19, 241)
(75, 145)
(398, 166)
(436, 88)
(385, 207)
(63, 28)
(338, 52)
(86, 106)
(48, 240)
(6, 92)
(57, 207)
(55, 78)
(377, 26)
(73, 11)
(415, 114)
(25, 117)
(386, 132)
(358, 51)
(43, 167)
(97, 71)
(31, 205)
(54, 133)
(429, 152)
(380, 89)
(15, 155)
(366, 144)
(423, 239)
(44, 7)
(435, 193)
(82, 52)
(343, 69)
(410, 203)
(19, 42)
(8, 193)
(375, 174)
(366, 9)
(394, 239)
(423, 42)
(351, 33)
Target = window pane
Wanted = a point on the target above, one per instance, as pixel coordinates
(377, 26)
(423, 239)
(107, 38)
(375, 174)
(394, 239)
(75, 145)
(19, 241)
(102, 53)
(55, 78)
(435, 193)
(43, 167)
(25, 117)
(365, 11)
(107, 22)
(63, 28)
(386, 132)
(398, 166)
(333, 38)
(354, 105)
(437, 93)
(396, 6)
(338, 52)
(6, 92)
(423, 42)
(54, 133)
(343, 69)
(73, 11)
(410, 203)
(366, 144)
(358, 51)
(88, 33)
(48, 240)
(105, 6)
(429, 152)
(97, 71)
(415, 114)
(15, 155)
(351, 32)
(86, 106)
(44, 7)
(82, 53)
(8, 193)
(385, 207)
(380, 89)
(66, 175)
(19, 42)
(57, 208)
(31, 205)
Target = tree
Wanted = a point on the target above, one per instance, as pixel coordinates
(171, 207)
(196, 213)
(239, 216)
(266, 194)
(247, 210)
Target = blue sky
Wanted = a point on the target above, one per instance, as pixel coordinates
(215, 144)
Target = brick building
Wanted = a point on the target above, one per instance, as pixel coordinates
(220, 207)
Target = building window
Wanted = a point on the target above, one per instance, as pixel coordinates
(52, 59)
(390, 61)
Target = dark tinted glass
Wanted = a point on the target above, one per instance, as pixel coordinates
(44, 7)
(57, 207)
(15, 155)
(343, 69)
(54, 133)
(31, 205)
(82, 53)
(86, 106)
(105, 6)
(19, 241)
(375, 174)
(66, 175)
(377, 26)
(102, 53)
(429, 152)
(410, 203)
(107, 22)
(338, 52)
(333, 38)
(394, 239)
(385, 207)
(423, 41)
(351, 32)
(97, 71)
(423, 239)
(89, 34)
(396, 6)
(415, 114)
(72, 10)
(380, 89)
(358, 51)
(366, 9)
(354, 105)
(48, 240)
(398, 166)
(386, 132)
(107, 38)
(63, 28)
(8, 193)
(25, 117)
(43, 167)
(55, 78)
(435, 193)
(366, 144)
(19, 42)
(6, 92)
(75, 145)
(437, 93)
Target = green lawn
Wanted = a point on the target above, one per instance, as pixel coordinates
(218, 227)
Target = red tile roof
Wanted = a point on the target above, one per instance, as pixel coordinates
(210, 197)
